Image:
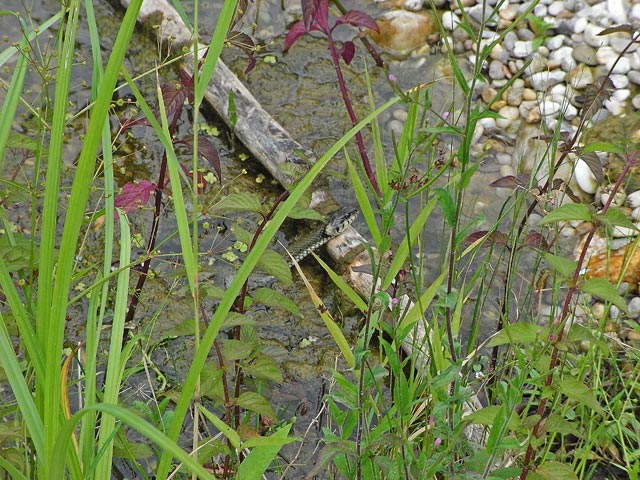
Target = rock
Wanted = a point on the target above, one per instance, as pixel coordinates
(542, 80)
(584, 177)
(496, 71)
(450, 20)
(584, 54)
(403, 31)
(509, 115)
(580, 77)
(549, 108)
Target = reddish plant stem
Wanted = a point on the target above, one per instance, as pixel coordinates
(352, 116)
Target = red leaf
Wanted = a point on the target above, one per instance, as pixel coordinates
(187, 83)
(134, 195)
(358, 19)
(497, 238)
(536, 240)
(174, 96)
(510, 181)
(207, 150)
(309, 10)
(347, 52)
(295, 32)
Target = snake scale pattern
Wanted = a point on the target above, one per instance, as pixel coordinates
(336, 224)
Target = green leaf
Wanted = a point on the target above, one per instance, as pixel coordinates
(603, 147)
(553, 471)
(274, 264)
(301, 213)
(557, 424)
(240, 202)
(15, 252)
(271, 298)
(242, 235)
(235, 319)
(484, 416)
(266, 449)
(254, 402)
(602, 288)
(236, 349)
(564, 266)
(519, 333)
(565, 213)
(263, 367)
(226, 430)
(447, 205)
(575, 390)
(615, 217)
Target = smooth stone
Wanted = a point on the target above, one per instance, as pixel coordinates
(621, 94)
(550, 109)
(555, 42)
(635, 101)
(634, 60)
(555, 8)
(633, 199)
(522, 49)
(634, 77)
(540, 10)
(509, 115)
(622, 66)
(496, 71)
(401, 30)
(513, 96)
(526, 34)
(504, 159)
(508, 13)
(633, 307)
(614, 106)
(489, 124)
(488, 94)
(562, 57)
(584, 177)
(538, 64)
(634, 14)
(450, 20)
(617, 10)
(580, 77)
(591, 38)
(509, 40)
(584, 54)
(580, 24)
(542, 80)
(529, 94)
(620, 43)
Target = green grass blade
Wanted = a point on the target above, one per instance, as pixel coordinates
(409, 240)
(363, 201)
(115, 361)
(54, 312)
(56, 468)
(19, 387)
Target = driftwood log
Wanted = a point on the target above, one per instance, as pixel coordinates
(272, 146)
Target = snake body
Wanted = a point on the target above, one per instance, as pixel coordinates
(336, 224)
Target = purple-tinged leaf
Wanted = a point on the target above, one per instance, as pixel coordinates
(207, 150)
(295, 32)
(250, 64)
(536, 240)
(134, 195)
(511, 181)
(309, 9)
(358, 19)
(347, 52)
(593, 162)
(186, 81)
(174, 96)
(321, 18)
(497, 238)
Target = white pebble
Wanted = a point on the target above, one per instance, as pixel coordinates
(591, 37)
(633, 307)
(508, 116)
(522, 49)
(584, 177)
(580, 24)
(549, 109)
(621, 94)
(617, 10)
(614, 106)
(555, 8)
(555, 42)
(450, 20)
(489, 124)
(542, 80)
(633, 199)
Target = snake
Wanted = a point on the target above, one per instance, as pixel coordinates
(336, 224)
